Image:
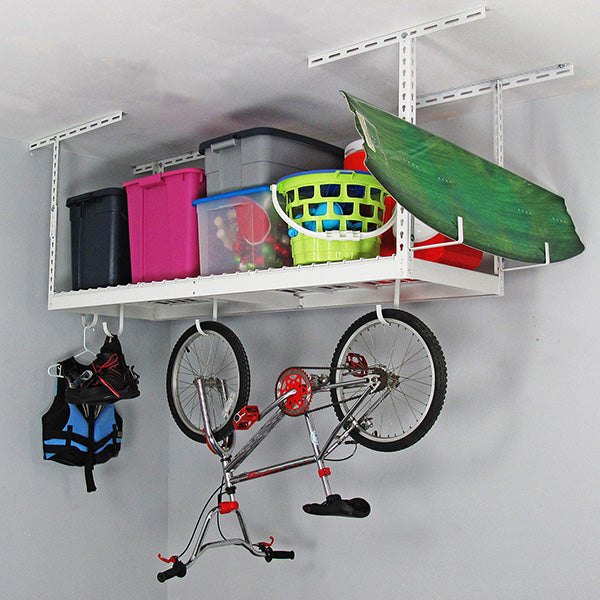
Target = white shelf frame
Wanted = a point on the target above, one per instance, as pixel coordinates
(345, 283)
(381, 280)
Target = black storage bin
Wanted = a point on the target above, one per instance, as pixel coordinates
(99, 239)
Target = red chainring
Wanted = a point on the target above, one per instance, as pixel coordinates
(299, 381)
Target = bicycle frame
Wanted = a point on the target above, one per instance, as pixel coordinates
(231, 462)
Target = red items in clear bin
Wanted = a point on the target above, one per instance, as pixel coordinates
(240, 231)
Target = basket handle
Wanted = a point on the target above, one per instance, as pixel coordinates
(330, 235)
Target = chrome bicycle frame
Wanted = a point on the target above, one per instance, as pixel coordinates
(231, 462)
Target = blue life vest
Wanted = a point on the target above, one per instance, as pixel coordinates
(80, 435)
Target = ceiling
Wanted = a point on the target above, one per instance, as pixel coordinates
(186, 71)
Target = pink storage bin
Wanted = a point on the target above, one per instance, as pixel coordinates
(163, 225)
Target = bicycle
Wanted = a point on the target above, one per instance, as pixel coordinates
(387, 383)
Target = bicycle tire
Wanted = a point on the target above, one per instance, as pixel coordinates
(401, 413)
(216, 355)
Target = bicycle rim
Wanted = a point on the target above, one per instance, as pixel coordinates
(414, 379)
(217, 357)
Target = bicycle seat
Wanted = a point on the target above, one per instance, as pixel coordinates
(336, 506)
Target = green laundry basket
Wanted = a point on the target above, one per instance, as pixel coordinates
(328, 202)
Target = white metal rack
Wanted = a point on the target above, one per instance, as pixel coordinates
(382, 280)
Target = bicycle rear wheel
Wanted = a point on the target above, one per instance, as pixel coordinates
(413, 371)
(218, 358)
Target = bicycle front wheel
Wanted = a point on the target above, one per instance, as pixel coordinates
(217, 358)
(412, 368)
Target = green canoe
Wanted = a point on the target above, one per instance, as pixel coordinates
(437, 182)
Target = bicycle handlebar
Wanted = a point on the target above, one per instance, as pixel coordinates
(271, 554)
(283, 554)
(177, 570)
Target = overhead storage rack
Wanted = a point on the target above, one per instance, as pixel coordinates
(382, 280)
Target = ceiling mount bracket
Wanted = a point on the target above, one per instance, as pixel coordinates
(488, 86)
(158, 166)
(59, 136)
(395, 37)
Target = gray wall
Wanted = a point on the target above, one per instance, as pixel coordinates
(499, 500)
(58, 541)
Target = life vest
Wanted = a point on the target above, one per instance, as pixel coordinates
(80, 435)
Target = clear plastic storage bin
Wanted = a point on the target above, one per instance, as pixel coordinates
(240, 231)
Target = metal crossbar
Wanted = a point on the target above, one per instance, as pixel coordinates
(396, 36)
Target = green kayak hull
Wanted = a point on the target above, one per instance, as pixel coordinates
(438, 182)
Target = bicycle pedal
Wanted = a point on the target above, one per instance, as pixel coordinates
(336, 506)
(246, 417)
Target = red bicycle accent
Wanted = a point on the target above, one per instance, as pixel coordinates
(324, 472)
(299, 381)
(207, 442)
(173, 559)
(267, 545)
(357, 363)
(227, 507)
(246, 417)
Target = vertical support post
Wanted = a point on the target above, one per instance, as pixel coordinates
(54, 139)
(158, 167)
(498, 147)
(407, 96)
(498, 124)
(407, 110)
(53, 216)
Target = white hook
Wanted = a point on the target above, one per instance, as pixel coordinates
(459, 240)
(215, 309)
(89, 325)
(121, 321)
(544, 264)
(380, 316)
(199, 328)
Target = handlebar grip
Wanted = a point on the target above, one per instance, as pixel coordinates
(281, 554)
(177, 570)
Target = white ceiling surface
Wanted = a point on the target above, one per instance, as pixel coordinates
(185, 71)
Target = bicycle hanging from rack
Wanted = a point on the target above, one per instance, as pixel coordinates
(387, 383)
